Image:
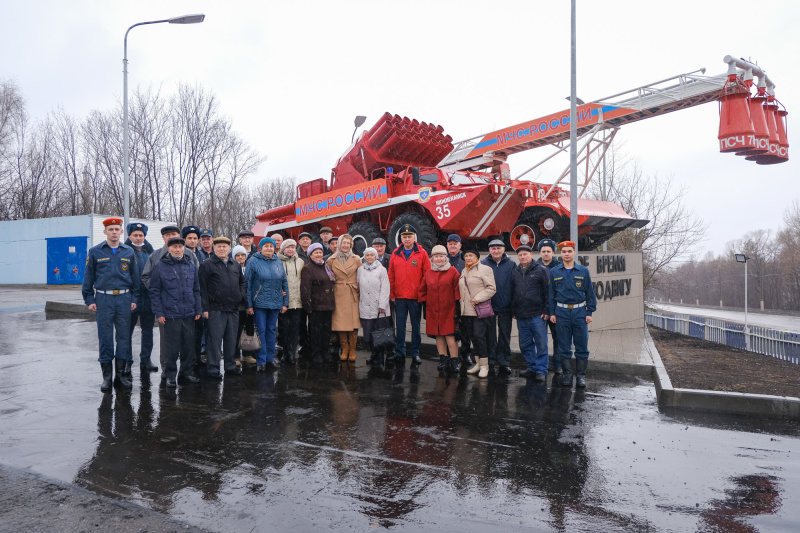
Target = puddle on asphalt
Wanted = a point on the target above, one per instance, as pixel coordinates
(408, 451)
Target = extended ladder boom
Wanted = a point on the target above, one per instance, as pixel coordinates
(665, 96)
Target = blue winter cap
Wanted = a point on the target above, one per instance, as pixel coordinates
(264, 241)
(453, 237)
(190, 229)
(546, 242)
(136, 226)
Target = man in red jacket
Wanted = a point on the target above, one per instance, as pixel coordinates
(406, 269)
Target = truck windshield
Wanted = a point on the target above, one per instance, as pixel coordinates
(429, 179)
(457, 178)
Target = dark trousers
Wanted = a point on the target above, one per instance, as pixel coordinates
(221, 332)
(162, 345)
(407, 308)
(113, 321)
(305, 345)
(289, 330)
(146, 320)
(463, 330)
(199, 334)
(319, 333)
(572, 330)
(179, 338)
(478, 331)
(499, 345)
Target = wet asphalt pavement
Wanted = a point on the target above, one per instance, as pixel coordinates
(346, 449)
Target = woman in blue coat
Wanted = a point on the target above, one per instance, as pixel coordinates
(267, 297)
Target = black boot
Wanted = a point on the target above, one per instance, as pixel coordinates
(126, 371)
(453, 366)
(442, 366)
(145, 364)
(107, 375)
(565, 379)
(374, 357)
(557, 365)
(119, 379)
(469, 362)
(580, 377)
(388, 354)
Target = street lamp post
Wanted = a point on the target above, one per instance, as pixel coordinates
(741, 258)
(573, 136)
(184, 19)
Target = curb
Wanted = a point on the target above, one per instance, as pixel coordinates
(735, 403)
(67, 310)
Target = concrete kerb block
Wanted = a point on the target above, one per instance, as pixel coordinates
(67, 310)
(737, 403)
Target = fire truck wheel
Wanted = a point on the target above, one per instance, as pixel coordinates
(363, 233)
(426, 233)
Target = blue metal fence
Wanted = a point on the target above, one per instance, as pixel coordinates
(782, 345)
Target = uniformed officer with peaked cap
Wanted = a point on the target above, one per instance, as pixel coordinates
(111, 289)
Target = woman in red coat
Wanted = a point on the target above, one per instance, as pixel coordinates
(439, 291)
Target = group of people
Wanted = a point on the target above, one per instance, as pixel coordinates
(301, 298)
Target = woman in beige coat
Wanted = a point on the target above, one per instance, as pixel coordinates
(475, 286)
(346, 323)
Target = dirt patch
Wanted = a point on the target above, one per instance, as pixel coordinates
(699, 364)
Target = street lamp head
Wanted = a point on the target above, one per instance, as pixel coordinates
(360, 119)
(741, 258)
(187, 19)
(577, 100)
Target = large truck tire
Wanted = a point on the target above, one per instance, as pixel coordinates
(426, 233)
(363, 233)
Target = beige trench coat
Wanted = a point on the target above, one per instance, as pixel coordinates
(481, 287)
(345, 289)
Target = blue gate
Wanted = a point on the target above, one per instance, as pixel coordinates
(66, 260)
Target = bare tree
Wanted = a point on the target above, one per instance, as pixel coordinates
(673, 229)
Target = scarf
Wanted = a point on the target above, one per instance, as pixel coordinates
(344, 256)
(444, 268)
(328, 270)
(371, 266)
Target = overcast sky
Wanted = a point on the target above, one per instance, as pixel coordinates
(293, 75)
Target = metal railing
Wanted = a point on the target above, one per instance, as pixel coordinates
(782, 345)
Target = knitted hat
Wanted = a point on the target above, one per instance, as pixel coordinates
(314, 246)
(288, 242)
(438, 249)
(264, 241)
(472, 250)
(238, 249)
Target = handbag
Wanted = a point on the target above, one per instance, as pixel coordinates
(482, 309)
(249, 342)
(383, 337)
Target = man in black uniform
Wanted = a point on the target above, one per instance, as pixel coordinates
(111, 289)
(137, 239)
(547, 248)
